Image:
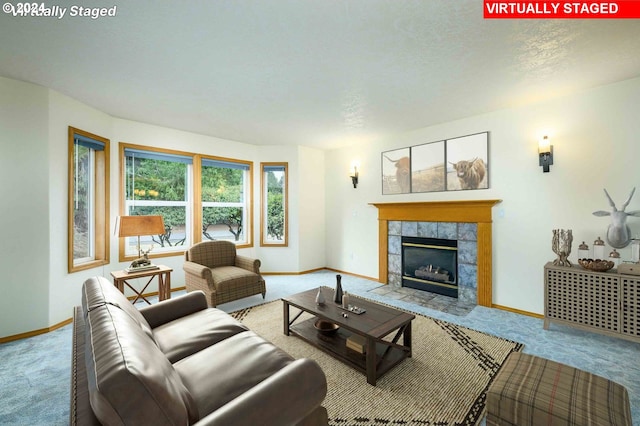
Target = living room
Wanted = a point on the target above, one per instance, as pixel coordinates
(590, 116)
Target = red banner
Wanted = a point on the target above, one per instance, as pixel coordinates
(622, 9)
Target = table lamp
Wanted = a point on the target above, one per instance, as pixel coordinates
(135, 226)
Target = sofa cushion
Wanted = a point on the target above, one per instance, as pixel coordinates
(192, 333)
(220, 373)
(130, 380)
(97, 291)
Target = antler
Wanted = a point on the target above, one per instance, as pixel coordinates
(624, 206)
(611, 203)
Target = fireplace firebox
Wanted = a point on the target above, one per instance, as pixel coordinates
(430, 264)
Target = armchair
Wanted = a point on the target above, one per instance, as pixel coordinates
(214, 268)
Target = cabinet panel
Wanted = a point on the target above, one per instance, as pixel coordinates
(584, 298)
(603, 302)
(630, 319)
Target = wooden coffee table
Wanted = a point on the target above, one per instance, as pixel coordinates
(374, 325)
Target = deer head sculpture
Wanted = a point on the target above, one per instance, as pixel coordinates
(618, 233)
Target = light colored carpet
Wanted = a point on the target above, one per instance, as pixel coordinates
(442, 384)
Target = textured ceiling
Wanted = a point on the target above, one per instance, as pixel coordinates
(322, 73)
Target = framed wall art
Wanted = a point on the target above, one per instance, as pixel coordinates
(467, 162)
(428, 167)
(396, 171)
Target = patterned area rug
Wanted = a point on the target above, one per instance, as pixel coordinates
(443, 383)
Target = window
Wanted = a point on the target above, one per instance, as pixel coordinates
(158, 182)
(200, 198)
(225, 195)
(274, 211)
(88, 211)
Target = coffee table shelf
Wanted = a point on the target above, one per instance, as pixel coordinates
(378, 322)
(335, 344)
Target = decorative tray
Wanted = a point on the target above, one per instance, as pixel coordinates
(354, 309)
(596, 265)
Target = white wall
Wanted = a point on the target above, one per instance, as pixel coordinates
(310, 203)
(36, 288)
(595, 137)
(24, 196)
(65, 112)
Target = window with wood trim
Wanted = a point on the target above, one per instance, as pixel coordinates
(158, 182)
(274, 206)
(226, 211)
(88, 210)
(199, 197)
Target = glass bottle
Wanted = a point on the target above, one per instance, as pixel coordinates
(345, 300)
(583, 251)
(598, 249)
(337, 296)
(635, 250)
(614, 256)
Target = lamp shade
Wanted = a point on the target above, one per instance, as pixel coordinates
(134, 226)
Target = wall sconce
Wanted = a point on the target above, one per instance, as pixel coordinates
(545, 151)
(353, 174)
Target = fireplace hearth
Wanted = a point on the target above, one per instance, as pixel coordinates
(430, 264)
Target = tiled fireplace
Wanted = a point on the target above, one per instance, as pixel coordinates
(464, 234)
(466, 222)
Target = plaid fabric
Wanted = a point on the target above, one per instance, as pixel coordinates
(213, 253)
(228, 277)
(530, 390)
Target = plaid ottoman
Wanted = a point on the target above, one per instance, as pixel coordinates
(529, 390)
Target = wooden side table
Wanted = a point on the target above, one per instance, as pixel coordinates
(164, 282)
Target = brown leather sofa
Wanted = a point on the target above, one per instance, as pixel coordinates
(179, 362)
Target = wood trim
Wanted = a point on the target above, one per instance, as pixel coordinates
(102, 179)
(484, 271)
(263, 206)
(473, 211)
(383, 251)
(351, 273)
(35, 332)
(518, 311)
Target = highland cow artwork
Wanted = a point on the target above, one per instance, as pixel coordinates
(427, 167)
(456, 164)
(396, 172)
(467, 162)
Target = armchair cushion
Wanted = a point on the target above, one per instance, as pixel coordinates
(213, 253)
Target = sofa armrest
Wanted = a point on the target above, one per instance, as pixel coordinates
(248, 263)
(285, 398)
(172, 309)
(196, 269)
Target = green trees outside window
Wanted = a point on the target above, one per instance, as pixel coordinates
(224, 187)
(274, 204)
(157, 183)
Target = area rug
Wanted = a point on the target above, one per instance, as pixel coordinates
(443, 383)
